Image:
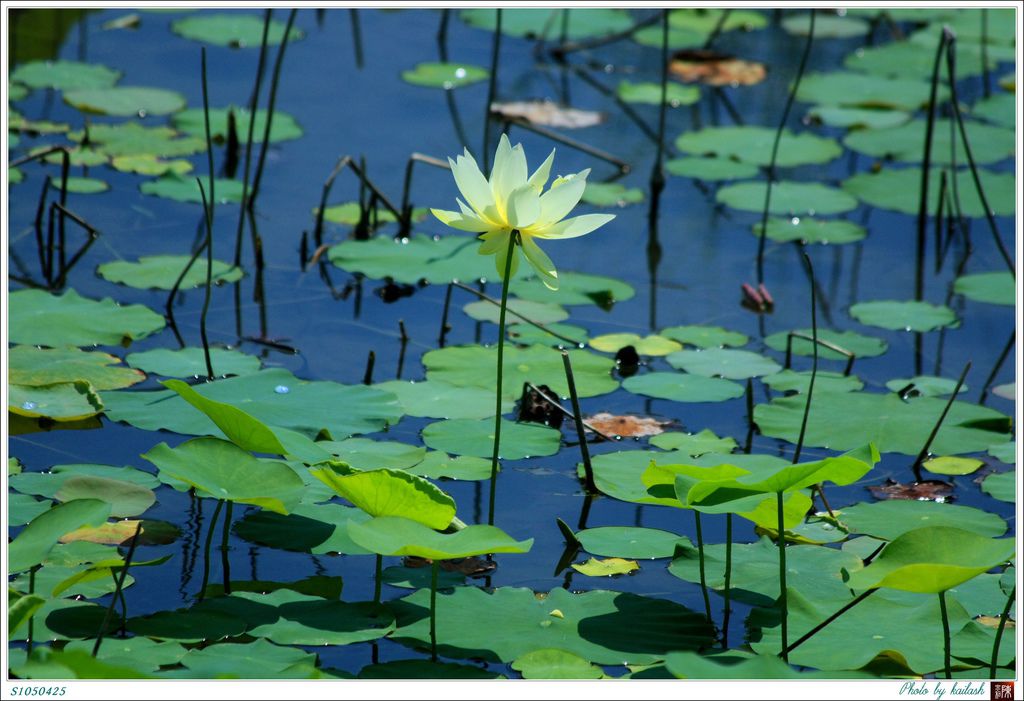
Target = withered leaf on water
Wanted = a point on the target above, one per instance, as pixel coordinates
(548, 114)
(627, 426)
(716, 69)
(469, 566)
(925, 490)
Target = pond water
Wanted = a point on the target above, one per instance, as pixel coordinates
(365, 109)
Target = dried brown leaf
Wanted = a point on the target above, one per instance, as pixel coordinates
(713, 68)
(627, 426)
(926, 490)
(548, 114)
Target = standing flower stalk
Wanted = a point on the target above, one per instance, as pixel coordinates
(508, 211)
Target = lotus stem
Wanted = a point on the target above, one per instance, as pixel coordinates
(505, 280)
(816, 629)
(444, 316)
(588, 469)
(377, 579)
(783, 594)
(986, 82)
(224, 547)
(208, 209)
(728, 581)
(253, 105)
(945, 635)
(357, 36)
(492, 85)
(206, 550)
(32, 618)
(916, 467)
(117, 590)
(700, 563)
(926, 161)
(518, 315)
(442, 35)
(433, 610)
(719, 26)
(999, 632)
(272, 100)
(814, 366)
(775, 150)
(999, 364)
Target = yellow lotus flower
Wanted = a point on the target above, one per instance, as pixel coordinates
(510, 202)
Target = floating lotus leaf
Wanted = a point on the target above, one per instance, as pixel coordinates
(61, 401)
(755, 570)
(951, 465)
(81, 185)
(915, 60)
(889, 520)
(932, 559)
(256, 660)
(999, 109)
(125, 498)
(528, 335)
(444, 75)
(788, 198)
(753, 145)
(683, 387)
(424, 669)
(186, 189)
(49, 663)
(1001, 486)
(32, 367)
(81, 156)
(630, 542)
(713, 168)
(191, 362)
(858, 117)
(844, 421)
(138, 653)
(221, 470)
(368, 454)
(436, 399)
(606, 568)
(966, 25)
(15, 92)
(551, 663)
(859, 90)
(812, 230)
(147, 164)
(31, 546)
(389, 493)
(652, 345)
(47, 484)
(983, 595)
(611, 195)
(192, 121)
(420, 577)
(315, 528)
(900, 191)
(826, 26)
(234, 29)
(109, 533)
(133, 139)
(604, 627)
(22, 508)
(694, 444)
(1004, 452)
(39, 318)
(474, 366)
(904, 143)
(540, 312)
(735, 664)
(859, 344)
(575, 288)
(708, 20)
(705, 336)
(201, 623)
(789, 381)
(530, 22)
(125, 101)
(475, 437)
(65, 75)
(722, 362)
(161, 272)
(311, 620)
(274, 397)
(393, 535)
(21, 609)
(439, 465)
(904, 316)
(650, 94)
(993, 288)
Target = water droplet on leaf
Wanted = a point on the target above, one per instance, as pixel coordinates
(282, 389)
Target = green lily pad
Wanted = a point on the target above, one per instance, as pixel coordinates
(798, 382)
(125, 101)
(221, 470)
(540, 312)
(849, 89)
(753, 145)
(161, 272)
(999, 109)
(611, 195)
(926, 385)
(812, 230)
(49, 663)
(47, 484)
(952, 465)
(39, 318)
(848, 420)
(529, 22)
(394, 535)
(81, 185)
(15, 92)
(694, 444)
(256, 660)
(436, 399)
(992, 288)
(65, 75)
(419, 578)
(551, 663)
(826, 26)
(604, 627)
(147, 164)
(705, 336)
(859, 344)
(185, 189)
(890, 519)
(652, 345)
(61, 401)
(1001, 486)
(22, 508)
(474, 366)
(424, 669)
(475, 437)
(858, 117)
(528, 335)
(606, 568)
(904, 143)
(319, 529)
(444, 75)
(914, 60)
(900, 191)
(138, 653)
(31, 367)
(711, 168)
(650, 94)
(81, 156)
(387, 493)
(125, 498)
(32, 545)
(723, 362)
(311, 620)
(683, 387)
(788, 198)
(208, 621)
(133, 139)
(191, 362)
(575, 288)
(904, 316)
(932, 559)
(234, 29)
(274, 397)
(734, 664)
(439, 465)
(368, 454)
(192, 121)
(630, 542)
(15, 176)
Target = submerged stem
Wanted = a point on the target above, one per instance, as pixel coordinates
(728, 581)
(433, 611)
(945, 634)
(783, 598)
(999, 632)
(505, 280)
(376, 579)
(700, 562)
